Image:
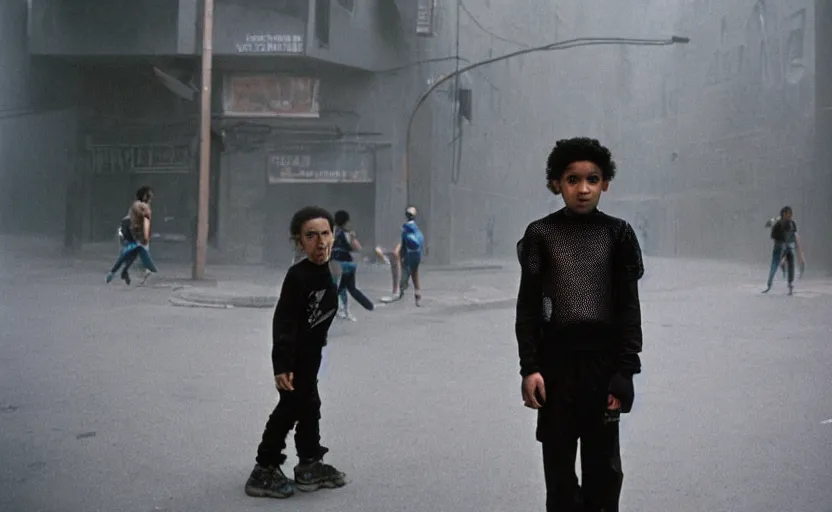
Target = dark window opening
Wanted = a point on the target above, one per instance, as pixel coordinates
(322, 21)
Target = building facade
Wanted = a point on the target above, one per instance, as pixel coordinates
(307, 95)
(312, 100)
(712, 138)
(37, 131)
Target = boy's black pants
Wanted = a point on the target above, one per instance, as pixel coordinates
(577, 385)
(302, 407)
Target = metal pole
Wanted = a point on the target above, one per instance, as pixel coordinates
(562, 45)
(204, 143)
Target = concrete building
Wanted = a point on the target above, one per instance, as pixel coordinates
(300, 113)
(37, 131)
(312, 100)
(712, 138)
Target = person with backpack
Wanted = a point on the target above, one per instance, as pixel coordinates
(343, 245)
(786, 247)
(410, 253)
(134, 233)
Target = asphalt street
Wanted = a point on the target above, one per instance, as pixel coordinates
(112, 399)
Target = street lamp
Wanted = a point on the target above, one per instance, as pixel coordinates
(561, 45)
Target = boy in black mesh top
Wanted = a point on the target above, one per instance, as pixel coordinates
(578, 329)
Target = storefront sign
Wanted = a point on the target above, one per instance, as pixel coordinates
(426, 18)
(271, 43)
(315, 164)
(270, 95)
(137, 158)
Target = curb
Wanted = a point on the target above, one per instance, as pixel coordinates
(479, 305)
(465, 268)
(188, 304)
(182, 298)
(190, 297)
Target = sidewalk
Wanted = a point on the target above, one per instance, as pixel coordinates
(257, 286)
(443, 286)
(461, 285)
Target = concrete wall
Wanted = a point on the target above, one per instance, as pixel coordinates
(248, 27)
(711, 138)
(126, 105)
(481, 200)
(254, 216)
(37, 131)
(368, 36)
(821, 175)
(115, 27)
(726, 126)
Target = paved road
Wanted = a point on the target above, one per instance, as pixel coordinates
(113, 400)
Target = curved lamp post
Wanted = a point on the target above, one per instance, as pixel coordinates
(561, 45)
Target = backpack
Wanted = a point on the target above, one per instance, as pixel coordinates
(125, 230)
(341, 247)
(777, 232)
(413, 239)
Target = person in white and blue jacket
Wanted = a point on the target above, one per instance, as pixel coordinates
(410, 251)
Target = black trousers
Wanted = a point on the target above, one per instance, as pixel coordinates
(575, 409)
(299, 409)
(347, 284)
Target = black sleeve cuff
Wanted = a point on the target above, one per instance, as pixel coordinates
(622, 388)
(629, 364)
(528, 370)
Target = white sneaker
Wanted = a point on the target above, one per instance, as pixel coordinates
(144, 277)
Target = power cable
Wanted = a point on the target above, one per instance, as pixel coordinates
(492, 34)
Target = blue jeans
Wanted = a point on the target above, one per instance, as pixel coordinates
(410, 270)
(128, 255)
(777, 253)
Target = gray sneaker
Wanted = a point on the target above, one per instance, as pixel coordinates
(268, 482)
(312, 476)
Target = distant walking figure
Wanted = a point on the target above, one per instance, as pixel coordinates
(786, 246)
(135, 234)
(345, 243)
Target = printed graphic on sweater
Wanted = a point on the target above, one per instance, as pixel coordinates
(313, 309)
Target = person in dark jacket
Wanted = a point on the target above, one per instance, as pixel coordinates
(344, 244)
(786, 247)
(578, 328)
(302, 317)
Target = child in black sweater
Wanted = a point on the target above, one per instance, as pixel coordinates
(578, 329)
(304, 313)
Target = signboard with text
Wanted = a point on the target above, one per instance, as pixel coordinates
(140, 158)
(270, 43)
(426, 18)
(317, 164)
(270, 95)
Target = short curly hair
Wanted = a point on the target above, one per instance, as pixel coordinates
(306, 214)
(577, 149)
(341, 218)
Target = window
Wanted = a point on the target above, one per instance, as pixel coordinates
(270, 95)
(322, 21)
